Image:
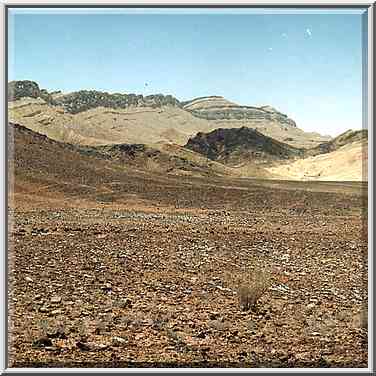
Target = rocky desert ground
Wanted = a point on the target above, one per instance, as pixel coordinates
(132, 255)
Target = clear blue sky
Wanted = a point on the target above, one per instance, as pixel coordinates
(306, 64)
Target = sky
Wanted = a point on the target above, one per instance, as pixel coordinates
(306, 64)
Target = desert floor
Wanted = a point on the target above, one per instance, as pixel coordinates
(119, 281)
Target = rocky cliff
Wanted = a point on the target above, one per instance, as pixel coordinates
(84, 100)
(218, 108)
(22, 89)
(209, 108)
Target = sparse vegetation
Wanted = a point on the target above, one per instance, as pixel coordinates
(251, 288)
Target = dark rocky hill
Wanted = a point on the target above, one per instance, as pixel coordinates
(235, 145)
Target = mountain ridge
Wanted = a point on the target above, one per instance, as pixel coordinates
(99, 118)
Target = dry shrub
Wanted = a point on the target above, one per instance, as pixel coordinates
(219, 325)
(152, 165)
(360, 320)
(251, 288)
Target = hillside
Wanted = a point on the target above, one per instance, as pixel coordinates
(160, 158)
(346, 163)
(253, 154)
(90, 117)
(44, 169)
(239, 146)
(343, 139)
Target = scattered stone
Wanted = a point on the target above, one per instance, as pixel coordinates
(83, 346)
(252, 326)
(56, 299)
(56, 312)
(119, 341)
(214, 315)
(125, 303)
(310, 306)
(52, 348)
(42, 342)
(107, 287)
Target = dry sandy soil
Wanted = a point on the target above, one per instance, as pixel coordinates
(350, 162)
(112, 267)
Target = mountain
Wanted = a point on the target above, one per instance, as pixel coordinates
(343, 139)
(147, 133)
(90, 117)
(241, 145)
(218, 108)
(253, 154)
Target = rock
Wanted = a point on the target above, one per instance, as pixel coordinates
(218, 108)
(83, 346)
(139, 336)
(310, 306)
(100, 346)
(43, 309)
(285, 257)
(42, 342)
(330, 323)
(107, 287)
(214, 315)
(201, 334)
(125, 303)
(83, 100)
(360, 320)
(119, 341)
(57, 333)
(55, 299)
(56, 312)
(252, 326)
(218, 325)
(148, 322)
(90, 346)
(21, 89)
(28, 279)
(52, 348)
